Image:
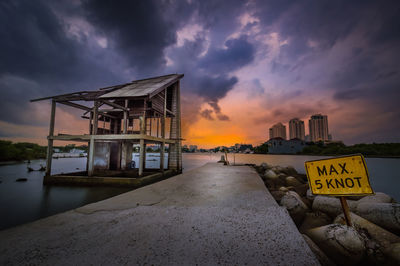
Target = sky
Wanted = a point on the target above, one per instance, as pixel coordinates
(247, 64)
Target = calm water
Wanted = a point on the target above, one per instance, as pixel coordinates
(22, 202)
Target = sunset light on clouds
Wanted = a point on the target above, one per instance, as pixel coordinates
(247, 64)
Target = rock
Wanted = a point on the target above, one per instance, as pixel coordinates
(291, 181)
(277, 195)
(331, 205)
(321, 257)
(393, 254)
(291, 189)
(270, 174)
(310, 195)
(270, 184)
(289, 170)
(301, 189)
(382, 236)
(307, 202)
(277, 169)
(314, 219)
(302, 178)
(386, 215)
(295, 206)
(379, 197)
(265, 166)
(374, 252)
(222, 160)
(21, 180)
(343, 244)
(282, 177)
(284, 189)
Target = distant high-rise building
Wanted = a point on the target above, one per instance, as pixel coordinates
(277, 131)
(296, 129)
(318, 125)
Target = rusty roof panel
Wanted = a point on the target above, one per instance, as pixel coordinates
(144, 87)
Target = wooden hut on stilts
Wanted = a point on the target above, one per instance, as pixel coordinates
(121, 117)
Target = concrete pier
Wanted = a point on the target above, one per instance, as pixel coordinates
(211, 215)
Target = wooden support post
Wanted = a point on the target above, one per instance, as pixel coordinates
(50, 141)
(346, 211)
(141, 151)
(95, 117)
(91, 156)
(126, 118)
(162, 150)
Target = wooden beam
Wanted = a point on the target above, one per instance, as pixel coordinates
(141, 157)
(126, 117)
(115, 105)
(91, 157)
(113, 137)
(79, 106)
(162, 150)
(95, 117)
(50, 141)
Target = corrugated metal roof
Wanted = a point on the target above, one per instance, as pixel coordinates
(144, 87)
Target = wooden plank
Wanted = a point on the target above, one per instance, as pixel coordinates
(91, 157)
(95, 117)
(141, 157)
(49, 140)
(111, 137)
(115, 105)
(162, 150)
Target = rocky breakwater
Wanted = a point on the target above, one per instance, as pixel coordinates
(373, 238)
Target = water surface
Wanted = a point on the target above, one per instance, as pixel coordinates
(22, 202)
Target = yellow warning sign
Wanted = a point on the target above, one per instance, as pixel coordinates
(341, 176)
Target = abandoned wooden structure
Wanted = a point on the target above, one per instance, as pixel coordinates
(120, 117)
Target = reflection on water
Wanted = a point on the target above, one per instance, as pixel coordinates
(22, 202)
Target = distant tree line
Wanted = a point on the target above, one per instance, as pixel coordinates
(374, 149)
(21, 151)
(28, 151)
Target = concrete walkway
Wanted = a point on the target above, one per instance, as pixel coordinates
(211, 215)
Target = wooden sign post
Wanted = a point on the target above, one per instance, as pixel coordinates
(340, 176)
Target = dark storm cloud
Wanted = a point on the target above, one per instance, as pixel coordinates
(141, 30)
(39, 59)
(207, 114)
(237, 53)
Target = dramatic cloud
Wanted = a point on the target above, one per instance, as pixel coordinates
(247, 63)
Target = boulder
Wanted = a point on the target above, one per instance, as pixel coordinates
(284, 189)
(379, 197)
(270, 184)
(295, 206)
(277, 169)
(314, 219)
(265, 166)
(310, 195)
(301, 189)
(343, 244)
(307, 202)
(270, 174)
(282, 177)
(386, 215)
(331, 205)
(277, 195)
(289, 170)
(321, 257)
(291, 181)
(382, 236)
(393, 254)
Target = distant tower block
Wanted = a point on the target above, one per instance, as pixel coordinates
(318, 125)
(296, 129)
(141, 112)
(277, 131)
